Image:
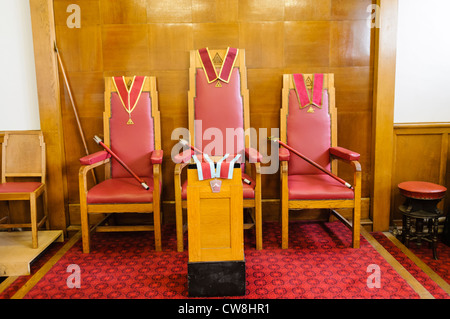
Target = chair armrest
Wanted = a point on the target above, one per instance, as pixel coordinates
(284, 154)
(253, 155)
(94, 158)
(356, 166)
(157, 157)
(344, 154)
(183, 157)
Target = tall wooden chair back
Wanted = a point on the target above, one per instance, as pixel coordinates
(308, 124)
(23, 155)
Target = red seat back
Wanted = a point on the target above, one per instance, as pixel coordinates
(308, 133)
(132, 143)
(221, 108)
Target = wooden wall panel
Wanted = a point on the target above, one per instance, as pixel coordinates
(385, 49)
(50, 114)
(307, 43)
(421, 154)
(154, 37)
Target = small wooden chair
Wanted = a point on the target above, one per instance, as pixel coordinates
(132, 131)
(23, 156)
(312, 131)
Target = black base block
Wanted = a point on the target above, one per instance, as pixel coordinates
(216, 279)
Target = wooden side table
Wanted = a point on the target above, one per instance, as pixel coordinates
(421, 205)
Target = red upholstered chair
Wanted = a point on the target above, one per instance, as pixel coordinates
(312, 131)
(23, 156)
(222, 104)
(132, 132)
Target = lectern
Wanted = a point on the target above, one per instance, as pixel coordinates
(215, 234)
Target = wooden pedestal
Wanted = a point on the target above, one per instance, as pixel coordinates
(215, 236)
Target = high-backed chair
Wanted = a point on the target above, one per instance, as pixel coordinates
(218, 98)
(131, 124)
(308, 124)
(23, 156)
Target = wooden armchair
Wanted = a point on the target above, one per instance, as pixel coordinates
(23, 156)
(131, 124)
(218, 98)
(311, 128)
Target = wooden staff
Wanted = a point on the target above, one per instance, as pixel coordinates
(140, 180)
(311, 162)
(186, 143)
(72, 102)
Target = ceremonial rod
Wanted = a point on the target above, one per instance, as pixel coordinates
(80, 129)
(140, 180)
(311, 162)
(186, 143)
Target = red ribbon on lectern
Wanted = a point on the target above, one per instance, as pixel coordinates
(186, 143)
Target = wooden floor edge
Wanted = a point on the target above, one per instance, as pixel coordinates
(423, 266)
(46, 267)
(415, 285)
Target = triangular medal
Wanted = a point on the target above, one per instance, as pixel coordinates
(217, 59)
(308, 82)
(218, 85)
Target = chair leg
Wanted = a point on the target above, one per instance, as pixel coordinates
(284, 224)
(356, 226)
(157, 224)
(179, 224)
(8, 216)
(44, 202)
(284, 194)
(85, 235)
(258, 225)
(34, 230)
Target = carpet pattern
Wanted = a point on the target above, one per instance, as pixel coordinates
(319, 264)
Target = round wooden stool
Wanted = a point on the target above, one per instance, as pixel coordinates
(421, 204)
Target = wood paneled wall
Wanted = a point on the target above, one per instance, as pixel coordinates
(153, 37)
(422, 153)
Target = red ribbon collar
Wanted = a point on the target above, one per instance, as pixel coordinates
(226, 68)
(303, 95)
(129, 96)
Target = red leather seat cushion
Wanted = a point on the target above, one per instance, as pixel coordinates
(319, 186)
(422, 190)
(19, 187)
(120, 190)
(248, 190)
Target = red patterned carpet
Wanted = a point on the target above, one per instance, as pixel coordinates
(441, 266)
(319, 264)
